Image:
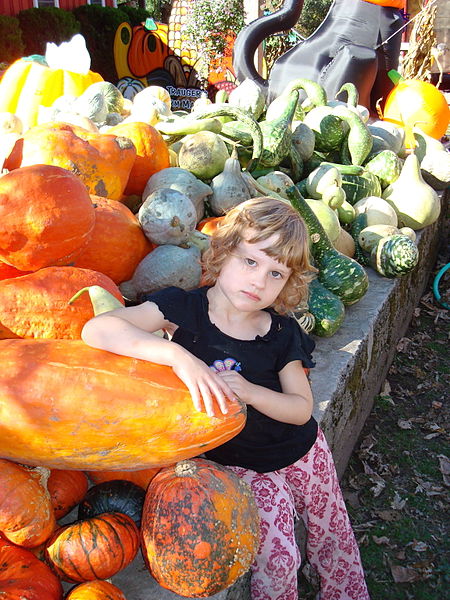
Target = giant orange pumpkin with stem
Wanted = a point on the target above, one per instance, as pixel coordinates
(118, 243)
(25, 577)
(96, 590)
(46, 217)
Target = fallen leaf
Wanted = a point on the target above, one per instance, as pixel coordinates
(404, 574)
(444, 466)
(380, 540)
(419, 546)
(430, 436)
(404, 424)
(401, 555)
(388, 515)
(436, 405)
(402, 344)
(398, 503)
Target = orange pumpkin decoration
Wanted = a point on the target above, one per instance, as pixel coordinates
(8, 272)
(23, 576)
(147, 50)
(66, 489)
(106, 411)
(46, 217)
(95, 590)
(103, 162)
(95, 548)
(142, 477)
(36, 305)
(118, 243)
(26, 512)
(152, 153)
(413, 102)
(209, 225)
(200, 528)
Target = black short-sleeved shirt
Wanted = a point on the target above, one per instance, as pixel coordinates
(264, 444)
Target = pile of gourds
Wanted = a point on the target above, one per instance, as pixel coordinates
(196, 523)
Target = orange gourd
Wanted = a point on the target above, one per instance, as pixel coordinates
(152, 153)
(95, 548)
(46, 217)
(103, 162)
(200, 528)
(8, 272)
(26, 512)
(209, 225)
(413, 102)
(25, 577)
(142, 477)
(95, 590)
(66, 489)
(106, 411)
(36, 305)
(118, 243)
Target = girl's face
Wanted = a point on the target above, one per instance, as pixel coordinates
(250, 279)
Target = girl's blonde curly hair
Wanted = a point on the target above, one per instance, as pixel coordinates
(256, 220)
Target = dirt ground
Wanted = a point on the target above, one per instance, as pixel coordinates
(397, 483)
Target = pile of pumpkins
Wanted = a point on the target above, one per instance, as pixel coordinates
(55, 527)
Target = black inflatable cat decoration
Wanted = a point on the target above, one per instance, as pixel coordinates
(347, 47)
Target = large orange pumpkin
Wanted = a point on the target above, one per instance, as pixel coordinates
(103, 162)
(26, 511)
(66, 489)
(95, 548)
(200, 528)
(118, 243)
(46, 217)
(414, 102)
(106, 411)
(142, 477)
(95, 590)
(36, 305)
(25, 577)
(152, 153)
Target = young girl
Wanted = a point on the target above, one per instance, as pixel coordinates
(233, 337)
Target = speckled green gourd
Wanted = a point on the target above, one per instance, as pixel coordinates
(328, 310)
(394, 256)
(338, 273)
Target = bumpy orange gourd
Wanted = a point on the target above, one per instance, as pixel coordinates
(152, 153)
(142, 477)
(36, 305)
(414, 102)
(25, 577)
(106, 411)
(118, 243)
(96, 590)
(66, 489)
(26, 511)
(199, 529)
(103, 162)
(95, 548)
(46, 217)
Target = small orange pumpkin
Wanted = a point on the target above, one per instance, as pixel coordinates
(102, 161)
(95, 590)
(414, 102)
(200, 528)
(46, 217)
(152, 153)
(26, 512)
(118, 243)
(23, 576)
(36, 305)
(142, 477)
(66, 489)
(95, 548)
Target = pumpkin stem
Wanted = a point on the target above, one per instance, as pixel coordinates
(102, 300)
(185, 468)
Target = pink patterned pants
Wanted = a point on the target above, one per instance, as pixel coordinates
(310, 489)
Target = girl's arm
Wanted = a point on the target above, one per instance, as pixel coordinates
(293, 405)
(130, 332)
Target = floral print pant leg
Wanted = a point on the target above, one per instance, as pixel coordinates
(310, 489)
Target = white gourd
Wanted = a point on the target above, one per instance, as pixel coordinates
(276, 181)
(248, 96)
(377, 210)
(416, 203)
(229, 188)
(203, 154)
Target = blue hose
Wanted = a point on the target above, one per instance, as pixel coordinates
(436, 281)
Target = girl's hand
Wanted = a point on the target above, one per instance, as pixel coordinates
(242, 388)
(204, 385)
